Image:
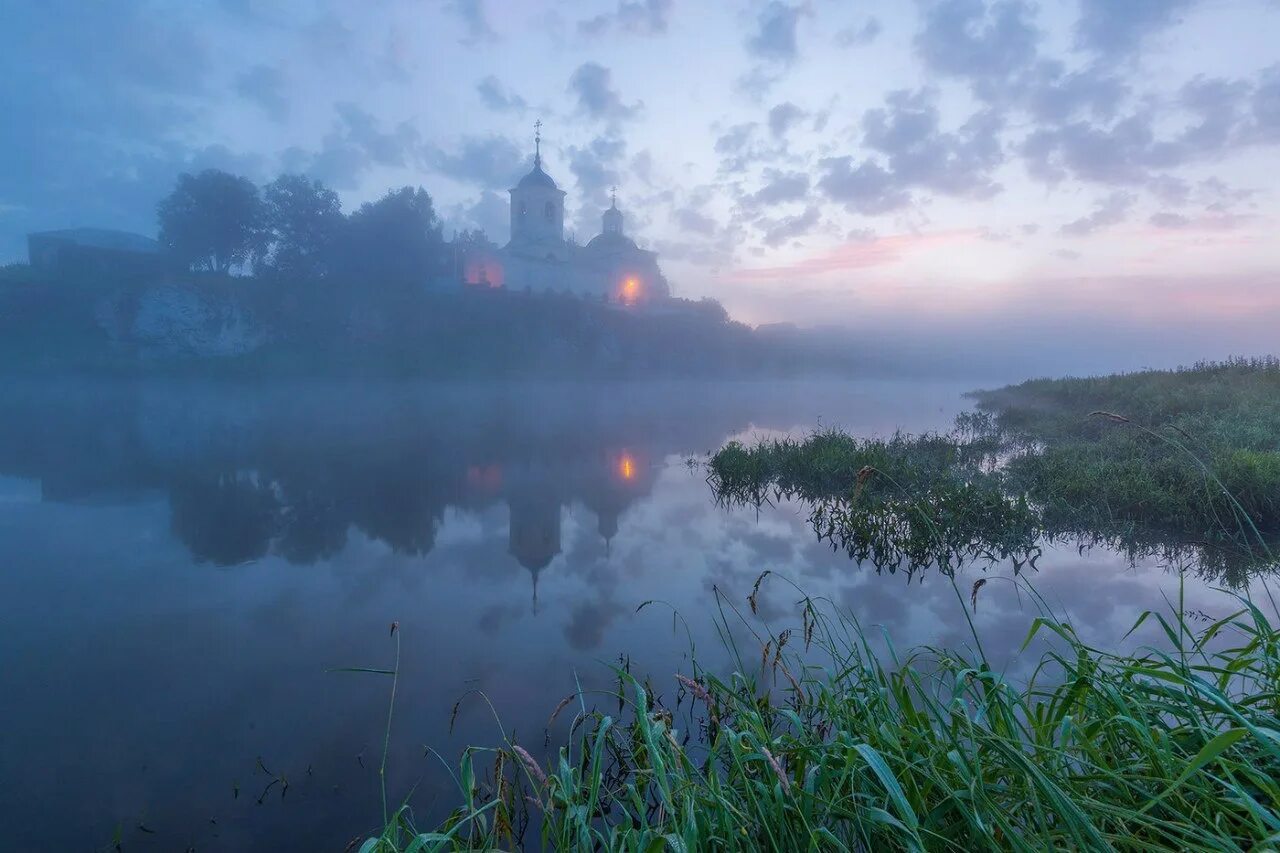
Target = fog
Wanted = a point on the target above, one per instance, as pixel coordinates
(1076, 187)
(318, 317)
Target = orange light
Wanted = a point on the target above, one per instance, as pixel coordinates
(630, 290)
(485, 478)
(627, 467)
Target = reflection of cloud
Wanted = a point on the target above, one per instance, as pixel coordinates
(587, 623)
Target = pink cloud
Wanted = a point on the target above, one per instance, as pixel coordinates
(855, 255)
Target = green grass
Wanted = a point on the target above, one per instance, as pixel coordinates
(1180, 464)
(824, 737)
(819, 742)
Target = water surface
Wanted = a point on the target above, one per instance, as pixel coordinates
(179, 565)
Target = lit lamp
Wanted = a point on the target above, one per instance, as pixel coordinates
(631, 291)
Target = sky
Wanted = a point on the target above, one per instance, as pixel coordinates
(1037, 173)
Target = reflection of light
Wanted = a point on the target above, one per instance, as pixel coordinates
(627, 467)
(630, 290)
(485, 478)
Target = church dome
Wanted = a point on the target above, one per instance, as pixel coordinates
(611, 241)
(537, 178)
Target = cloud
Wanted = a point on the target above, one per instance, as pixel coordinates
(1169, 220)
(790, 227)
(1264, 125)
(855, 254)
(865, 188)
(474, 19)
(642, 166)
(265, 86)
(1115, 29)
(327, 38)
(757, 81)
(641, 17)
(93, 93)
(781, 187)
(917, 155)
(774, 36)
(1111, 211)
(1129, 150)
(1213, 221)
(498, 97)
(739, 146)
(1054, 95)
(361, 128)
(491, 213)
(592, 84)
(995, 47)
(354, 145)
(981, 42)
(783, 117)
(859, 36)
(596, 167)
(691, 219)
(491, 161)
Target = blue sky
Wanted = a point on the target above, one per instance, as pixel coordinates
(1108, 161)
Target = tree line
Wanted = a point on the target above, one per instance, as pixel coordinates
(294, 228)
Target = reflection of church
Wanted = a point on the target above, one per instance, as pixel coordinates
(605, 485)
(538, 257)
(533, 536)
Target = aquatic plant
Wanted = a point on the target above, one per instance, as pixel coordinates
(1184, 465)
(823, 742)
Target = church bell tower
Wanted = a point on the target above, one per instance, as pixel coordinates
(537, 207)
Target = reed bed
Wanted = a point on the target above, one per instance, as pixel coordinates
(1183, 465)
(822, 739)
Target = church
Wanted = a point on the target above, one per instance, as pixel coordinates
(611, 267)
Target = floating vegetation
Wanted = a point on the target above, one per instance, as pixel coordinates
(1183, 465)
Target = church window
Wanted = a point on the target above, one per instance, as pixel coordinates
(550, 211)
(524, 208)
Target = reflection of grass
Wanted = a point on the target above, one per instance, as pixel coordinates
(1153, 462)
(818, 742)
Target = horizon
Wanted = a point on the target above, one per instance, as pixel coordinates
(1035, 174)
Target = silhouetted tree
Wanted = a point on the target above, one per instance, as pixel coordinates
(212, 220)
(226, 519)
(474, 238)
(303, 220)
(394, 241)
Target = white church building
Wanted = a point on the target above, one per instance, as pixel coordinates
(538, 257)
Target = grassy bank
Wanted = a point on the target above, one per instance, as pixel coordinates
(819, 742)
(1182, 464)
(822, 738)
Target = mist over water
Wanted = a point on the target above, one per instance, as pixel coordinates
(325, 325)
(184, 562)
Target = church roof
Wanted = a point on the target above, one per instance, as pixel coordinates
(614, 242)
(103, 238)
(537, 178)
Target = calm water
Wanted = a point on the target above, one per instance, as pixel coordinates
(179, 566)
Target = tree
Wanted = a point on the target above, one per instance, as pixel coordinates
(212, 220)
(303, 220)
(473, 239)
(394, 241)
